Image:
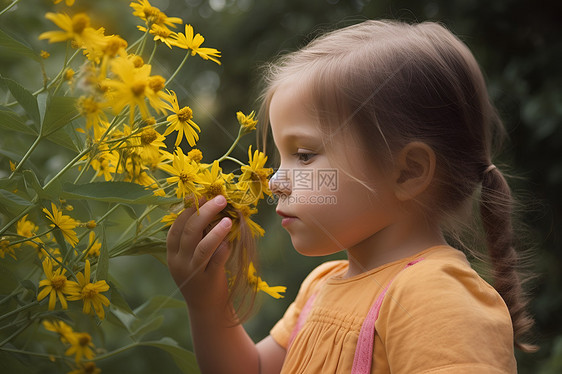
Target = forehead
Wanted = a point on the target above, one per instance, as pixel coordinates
(291, 113)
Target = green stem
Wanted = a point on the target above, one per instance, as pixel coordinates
(178, 69)
(232, 146)
(27, 154)
(117, 351)
(140, 49)
(68, 166)
(235, 160)
(9, 7)
(153, 52)
(147, 211)
(16, 333)
(21, 214)
(20, 309)
(29, 353)
(31, 237)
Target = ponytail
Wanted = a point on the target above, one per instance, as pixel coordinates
(496, 207)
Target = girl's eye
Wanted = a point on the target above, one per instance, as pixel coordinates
(304, 156)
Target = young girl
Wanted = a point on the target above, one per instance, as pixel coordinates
(398, 116)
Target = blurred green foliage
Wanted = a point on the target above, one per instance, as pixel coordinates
(519, 47)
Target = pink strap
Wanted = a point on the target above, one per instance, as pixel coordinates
(362, 362)
(302, 319)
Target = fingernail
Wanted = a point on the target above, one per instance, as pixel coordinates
(226, 222)
(220, 200)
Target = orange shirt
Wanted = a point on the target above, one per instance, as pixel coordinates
(438, 316)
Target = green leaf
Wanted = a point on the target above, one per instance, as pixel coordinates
(66, 137)
(115, 192)
(12, 46)
(24, 98)
(144, 246)
(32, 181)
(157, 303)
(12, 204)
(102, 270)
(11, 121)
(140, 328)
(118, 301)
(59, 112)
(184, 359)
(8, 280)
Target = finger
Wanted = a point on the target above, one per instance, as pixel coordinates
(219, 257)
(175, 232)
(208, 245)
(196, 224)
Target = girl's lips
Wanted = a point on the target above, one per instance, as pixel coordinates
(287, 219)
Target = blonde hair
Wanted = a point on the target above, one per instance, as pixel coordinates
(386, 84)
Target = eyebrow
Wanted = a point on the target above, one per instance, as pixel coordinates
(300, 136)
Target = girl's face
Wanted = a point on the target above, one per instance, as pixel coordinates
(324, 209)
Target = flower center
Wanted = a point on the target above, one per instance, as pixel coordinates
(148, 136)
(184, 177)
(89, 367)
(89, 291)
(185, 114)
(137, 61)
(156, 83)
(58, 282)
(195, 155)
(87, 105)
(137, 88)
(215, 189)
(84, 340)
(79, 23)
(152, 14)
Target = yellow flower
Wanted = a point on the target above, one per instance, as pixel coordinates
(68, 75)
(6, 249)
(133, 87)
(89, 292)
(152, 15)
(65, 332)
(86, 368)
(181, 121)
(93, 245)
(81, 346)
(28, 229)
(105, 164)
(188, 41)
(148, 145)
(56, 285)
(212, 182)
(255, 175)
(241, 213)
(44, 54)
(67, 2)
(261, 285)
(247, 122)
(76, 29)
(66, 224)
(195, 155)
(184, 174)
(92, 109)
(162, 33)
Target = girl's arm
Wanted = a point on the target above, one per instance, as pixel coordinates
(196, 263)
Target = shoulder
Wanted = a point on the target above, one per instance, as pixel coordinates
(445, 313)
(320, 274)
(445, 276)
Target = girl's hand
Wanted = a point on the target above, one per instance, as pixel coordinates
(196, 260)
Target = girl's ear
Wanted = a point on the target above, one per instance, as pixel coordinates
(414, 170)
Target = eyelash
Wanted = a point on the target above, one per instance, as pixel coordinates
(304, 157)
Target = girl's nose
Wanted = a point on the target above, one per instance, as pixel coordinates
(280, 183)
